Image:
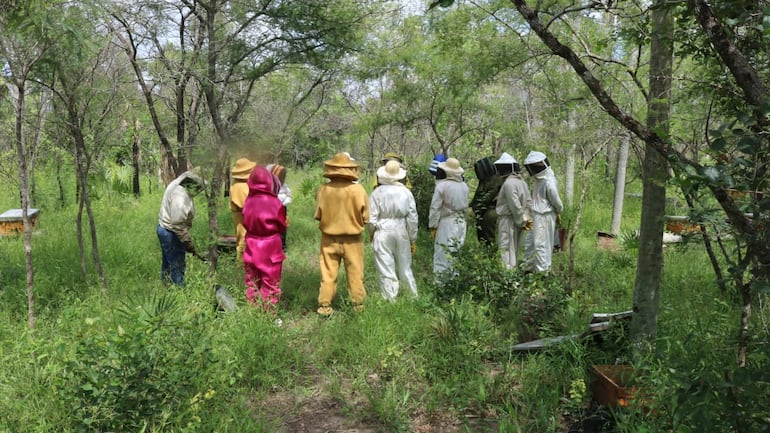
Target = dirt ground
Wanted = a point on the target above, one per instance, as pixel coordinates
(314, 411)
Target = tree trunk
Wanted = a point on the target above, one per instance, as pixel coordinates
(135, 158)
(655, 173)
(84, 199)
(569, 176)
(21, 154)
(169, 166)
(620, 184)
(40, 117)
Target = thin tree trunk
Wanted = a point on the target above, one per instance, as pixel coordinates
(569, 182)
(84, 202)
(709, 248)
(135, 158)
(655, 173)
(42, 112)
(620, 184)
(21, 153)
(169, 166)
(743, 339)
(59, 182)
(609, 159)
(80, 180)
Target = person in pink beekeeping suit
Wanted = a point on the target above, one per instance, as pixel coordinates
(264, 218)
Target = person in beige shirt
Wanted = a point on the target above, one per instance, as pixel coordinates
(175, 219)
(342, 211)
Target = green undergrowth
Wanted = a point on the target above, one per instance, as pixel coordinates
(139, 356)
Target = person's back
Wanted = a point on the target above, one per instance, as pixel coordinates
(546, 207)
(513, 210)
(263, 213)
(239, 190)
(394, 203)
(175, 219)
(484, 199)
(393, 220)
(446, 217)
(342, 211)
(340, 207)
(264, 219)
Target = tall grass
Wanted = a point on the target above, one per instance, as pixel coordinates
(145, 357)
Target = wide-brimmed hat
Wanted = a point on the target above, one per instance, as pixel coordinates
(341, 166)
(242, 169)
(341, 160)
(392, 156)
(391, 171)
(452, 167)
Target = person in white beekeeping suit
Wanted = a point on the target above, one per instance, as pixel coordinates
(513, 209)
(546, 213)
(393, 219)
(446, 218)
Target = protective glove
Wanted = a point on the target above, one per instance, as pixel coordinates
(558, 219)
(413, 248)
(527, 225)
(433, 233)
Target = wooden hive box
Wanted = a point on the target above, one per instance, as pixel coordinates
(610, 385)
(681, 225)
(11, 222)
(226, 243)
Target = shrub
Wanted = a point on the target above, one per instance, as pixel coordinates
(531, 303)
(461, 338)
(140, 373)
(423, 184)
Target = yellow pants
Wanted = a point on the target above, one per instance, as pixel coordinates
(349, 248)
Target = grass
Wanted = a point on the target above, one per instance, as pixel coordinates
(426, 364)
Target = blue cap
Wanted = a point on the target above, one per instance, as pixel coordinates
(439, 158)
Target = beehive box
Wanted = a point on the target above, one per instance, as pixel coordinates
(611, 385)
(11, 222)
(226, 243)
(607, 241)
(681, 225)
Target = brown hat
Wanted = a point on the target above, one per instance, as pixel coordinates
(341, 166)
(341, 160)
(242, 169)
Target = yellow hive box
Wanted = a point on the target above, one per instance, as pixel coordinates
(12, 224)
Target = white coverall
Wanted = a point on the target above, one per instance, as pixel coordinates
(513, 208)
(393, 217)
(447, 215)
(545, 205)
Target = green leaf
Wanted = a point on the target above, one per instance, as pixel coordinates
(712, 174)
(718, 145)
(748, 144)
(441, 3)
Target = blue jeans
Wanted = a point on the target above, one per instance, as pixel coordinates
(173, 264)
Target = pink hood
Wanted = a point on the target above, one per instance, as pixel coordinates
(261, 181)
